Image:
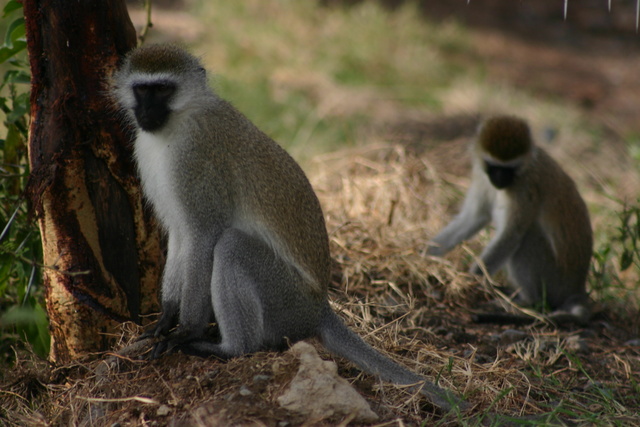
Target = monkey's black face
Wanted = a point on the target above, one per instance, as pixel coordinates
(152, 104)
(500, 176)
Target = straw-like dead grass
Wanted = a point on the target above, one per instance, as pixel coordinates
(381, 203)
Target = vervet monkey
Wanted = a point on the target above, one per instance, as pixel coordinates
(543, 233)
(247, 241)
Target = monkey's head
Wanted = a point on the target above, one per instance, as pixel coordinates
(157, 81)
(504, 146)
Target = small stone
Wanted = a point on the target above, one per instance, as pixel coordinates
(511, 336)
(244, 391)
(318, 392)
(261, 378)
(576, 344)
(163, 411)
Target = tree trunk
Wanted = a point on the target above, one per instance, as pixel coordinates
(101, 248)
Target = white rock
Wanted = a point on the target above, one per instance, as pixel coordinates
(318, 392)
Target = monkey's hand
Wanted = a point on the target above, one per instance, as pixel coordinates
(168, 320)
(435, 250)
(187, 340)
(174, 341)
(161, 348)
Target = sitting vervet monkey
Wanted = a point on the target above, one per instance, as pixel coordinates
(247, 241)
(543, 233)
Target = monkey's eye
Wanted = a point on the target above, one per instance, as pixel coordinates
(140, 90)
(154, 90)
(164, 90)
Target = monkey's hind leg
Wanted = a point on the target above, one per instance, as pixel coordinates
(532, 268)
(257, 300)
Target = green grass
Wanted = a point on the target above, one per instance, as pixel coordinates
(323, 51)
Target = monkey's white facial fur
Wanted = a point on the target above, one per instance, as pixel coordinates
(157, 83)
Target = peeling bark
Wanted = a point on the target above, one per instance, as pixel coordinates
(100, 245)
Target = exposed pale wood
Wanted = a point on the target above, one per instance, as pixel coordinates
(95, 232)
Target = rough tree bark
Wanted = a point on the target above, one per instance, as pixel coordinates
(101, 243)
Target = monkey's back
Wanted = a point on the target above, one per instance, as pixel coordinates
(566, 217)
(273, 197)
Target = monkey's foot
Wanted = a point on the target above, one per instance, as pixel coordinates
(204, 348)
(149, 333)
(167, 322)
(187, 342)
(172, 342)
(435, 250)
(159, 349)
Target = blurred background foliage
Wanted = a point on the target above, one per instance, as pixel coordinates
(22, 317)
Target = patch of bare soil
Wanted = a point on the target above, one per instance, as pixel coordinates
(588, 57)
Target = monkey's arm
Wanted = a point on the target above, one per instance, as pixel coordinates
(513, 219)
(172, 281)
(186, 291)
(474, 215)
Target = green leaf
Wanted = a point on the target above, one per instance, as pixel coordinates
(20, 108)
(17, 76)
(10, 7)
(5, 270)
(626, 259)
(30, 321)
(43, 339)
(16, 315)
(7, 52)
(15, 32)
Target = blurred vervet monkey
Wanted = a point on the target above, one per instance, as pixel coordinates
(247, 242)
(543, 233)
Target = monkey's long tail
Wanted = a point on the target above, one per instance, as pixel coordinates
(341, 341)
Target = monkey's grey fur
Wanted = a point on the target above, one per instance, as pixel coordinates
(247, 242)
(543, 233)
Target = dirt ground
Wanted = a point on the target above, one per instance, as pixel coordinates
(589, 59)
(417, 310)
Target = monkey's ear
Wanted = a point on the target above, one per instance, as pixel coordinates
(203, 71)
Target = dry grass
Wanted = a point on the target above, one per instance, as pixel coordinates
(381, 204)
